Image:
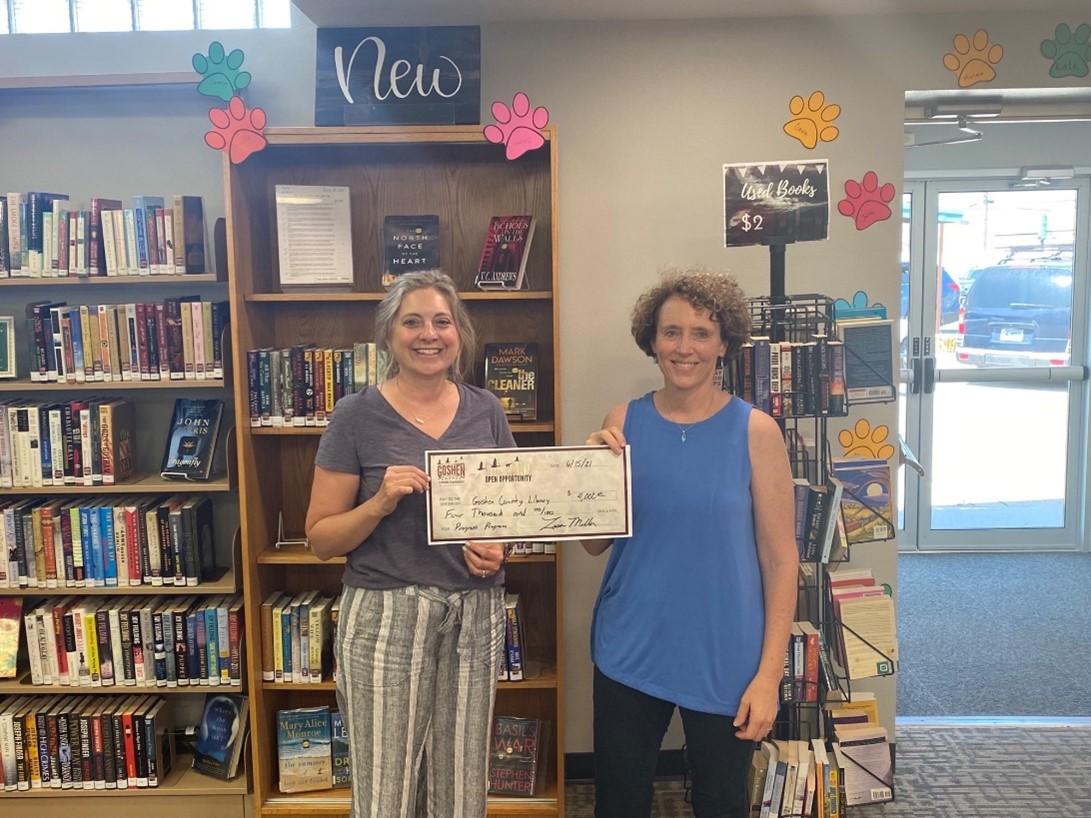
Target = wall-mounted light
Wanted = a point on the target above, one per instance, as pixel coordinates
(963, 109)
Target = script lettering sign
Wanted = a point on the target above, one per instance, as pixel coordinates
(776, 200)
(398, 76)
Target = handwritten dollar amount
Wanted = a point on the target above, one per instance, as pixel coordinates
(755, 223)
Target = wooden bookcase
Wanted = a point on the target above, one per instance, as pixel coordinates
(452, 172)
(183, 790)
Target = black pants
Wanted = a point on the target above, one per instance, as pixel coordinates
(629, 729)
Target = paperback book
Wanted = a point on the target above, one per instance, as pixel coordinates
(504, 254)
(191, 439)
(303, 749)
(410, 244)
(221, 735)
(511, 373)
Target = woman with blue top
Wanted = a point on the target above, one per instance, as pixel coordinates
(421, 631)
(696, 606)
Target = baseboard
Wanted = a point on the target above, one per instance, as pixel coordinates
(580, 767)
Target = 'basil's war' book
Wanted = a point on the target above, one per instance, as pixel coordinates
(191, 440)
(511, 373)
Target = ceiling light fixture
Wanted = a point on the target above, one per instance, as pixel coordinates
(963, 109)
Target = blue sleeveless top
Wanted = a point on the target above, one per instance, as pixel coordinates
(680, 614)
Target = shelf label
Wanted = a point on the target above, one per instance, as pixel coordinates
(788, 201)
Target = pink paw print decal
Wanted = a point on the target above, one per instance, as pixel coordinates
(518, 128)
(238, 132)
(865, 201)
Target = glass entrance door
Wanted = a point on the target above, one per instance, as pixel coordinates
(991, 312)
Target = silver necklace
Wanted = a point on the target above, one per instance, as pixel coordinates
(417, 418)
(684, 429)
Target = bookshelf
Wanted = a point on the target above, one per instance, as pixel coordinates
(451, 171)
(182, 790)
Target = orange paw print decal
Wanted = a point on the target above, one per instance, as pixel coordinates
(812, 118)
(863, 441)
(973, 61)
(238, 132)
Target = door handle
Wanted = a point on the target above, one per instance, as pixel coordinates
(915, 381)
(929, 375)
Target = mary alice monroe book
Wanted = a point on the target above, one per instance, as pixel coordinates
(511, 373)
(303, 749)
(191, 440)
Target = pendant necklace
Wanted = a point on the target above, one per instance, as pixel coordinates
(417, 418)
(685, 428)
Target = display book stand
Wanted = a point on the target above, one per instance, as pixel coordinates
(803, 318)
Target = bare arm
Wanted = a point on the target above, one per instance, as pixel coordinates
(336, 524)
(771, 490)
(610, 435)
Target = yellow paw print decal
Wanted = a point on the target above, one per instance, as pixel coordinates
(812, 118)
(973, 61)
(863, 441)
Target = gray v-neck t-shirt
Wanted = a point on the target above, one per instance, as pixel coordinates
(365, 436)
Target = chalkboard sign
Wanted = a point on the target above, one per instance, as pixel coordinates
(398, 76)
(789, 201)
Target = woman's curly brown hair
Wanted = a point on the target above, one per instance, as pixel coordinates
(719, 293)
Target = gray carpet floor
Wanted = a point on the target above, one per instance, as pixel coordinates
(952, 772)
(994, 635)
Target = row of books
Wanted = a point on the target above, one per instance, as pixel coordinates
(527, 548)
(107, 541)
(513, 667)
(300, 385)
(86, 742)
(800, 682)
(864, 611)
(788, 378)
(312, 750)
(296, 636)
(181, 338)
(42, 236)
(161, 641)
(789, 777)
(85, 442)
(819, 523)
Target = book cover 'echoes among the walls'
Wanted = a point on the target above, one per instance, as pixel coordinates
(511, 373)
(191, 441)
(504, 254)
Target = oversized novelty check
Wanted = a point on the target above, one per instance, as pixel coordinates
(546, 493)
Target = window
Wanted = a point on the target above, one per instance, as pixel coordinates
(63, 16)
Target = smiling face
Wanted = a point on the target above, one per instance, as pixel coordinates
(423, 338)
(687, 344)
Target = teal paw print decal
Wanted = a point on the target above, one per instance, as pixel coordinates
(858, 307)
(1069, 50)
(222, 77)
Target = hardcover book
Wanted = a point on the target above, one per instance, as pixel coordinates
(517, 756)
(10, 618)
(303, 749)
(511, 373)
(504, 254)
(221, 735)
(191, 439)
(410, 244)
(342, 767)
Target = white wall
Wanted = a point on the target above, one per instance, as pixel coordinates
(647, 113)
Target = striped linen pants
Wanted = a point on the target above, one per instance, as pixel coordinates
(416, 677)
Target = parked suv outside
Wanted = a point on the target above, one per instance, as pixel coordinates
(1017, 315)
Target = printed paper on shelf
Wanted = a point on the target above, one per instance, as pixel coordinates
(314, 236)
